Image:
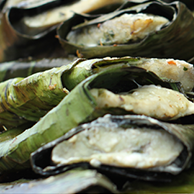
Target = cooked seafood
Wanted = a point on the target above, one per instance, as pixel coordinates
(131, 145)
(135, 147)
(150, 100)
(120, 30)
(64, 12)
(173, 70)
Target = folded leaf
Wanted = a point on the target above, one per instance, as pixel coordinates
(77, 107)
(164, 150)
(165, 42)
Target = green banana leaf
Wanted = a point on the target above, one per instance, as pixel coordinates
(23, 68)
(76, 108)
(167, 69)
(164, 43)
(183, 183)
(29, 99)
(188, 3)
(75, 181)
(24, 100)
(17, 40)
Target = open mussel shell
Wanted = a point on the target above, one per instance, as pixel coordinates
(183, 134)
(163, 43)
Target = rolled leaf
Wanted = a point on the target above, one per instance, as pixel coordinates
(15, 69)
(167, 69)
(164, 43)
(29, 99)
(188, 3)
(124, 154)
(26, 29)
(91, 181)
(20, 42)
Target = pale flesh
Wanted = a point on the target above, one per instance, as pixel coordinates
(149, 100)
(174, 70)
(119, 30)
(62, 13)
(132, 147)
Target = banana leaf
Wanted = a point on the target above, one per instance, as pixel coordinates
(165, 43)
(69, 113)
(75, 181)
(23, 68)
(115, 157)
(29, 99)
(188, 3)
(167, 69)
(17, 40)
(183, 183)
(25, 31)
